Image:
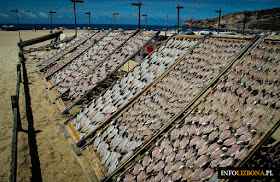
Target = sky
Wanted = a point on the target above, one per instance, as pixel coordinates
(37, 12)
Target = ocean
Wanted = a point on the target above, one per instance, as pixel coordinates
(84, 26)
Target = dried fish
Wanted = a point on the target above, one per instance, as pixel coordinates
(230, 141)
(206, 174)
(137, 168)
(196, 174)
(201, 161)
(226, 162)
(233, 150)
(159, 166)
(177, 175)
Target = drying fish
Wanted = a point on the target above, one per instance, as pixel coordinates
(187, 174)
(213, 148)
(137, 168)
(127, 178)
(196, 174)
(178, 165)
(245, 138)
(168, 168)
(150, 167)
(214, 163)
(224, 135)
(207, 173)
(141, 176)
(201, 161)
(159, 166)
(230, 141)
(226, 162)
(242, 153)
(202, 150)
(190, 162)
(213, 135)
(242, 130)
(177, 175)
(175, 133)
(194, 141)
(233, 150)
(180, 154)
(170, 157)
(189, 154)
(217, 154)
(208, 129)
(158, 177)
(225, 125)
(184, 142)
(167, 151)
(167, 178)
(201, 143)
(146, 161)
(176, 143)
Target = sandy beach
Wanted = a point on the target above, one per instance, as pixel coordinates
(57, 161)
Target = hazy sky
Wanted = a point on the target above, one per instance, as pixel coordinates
(36, 11)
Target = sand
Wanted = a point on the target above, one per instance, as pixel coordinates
(57, 162)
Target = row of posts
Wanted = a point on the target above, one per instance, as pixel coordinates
(17, 126)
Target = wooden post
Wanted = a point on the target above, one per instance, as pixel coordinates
(15, 105)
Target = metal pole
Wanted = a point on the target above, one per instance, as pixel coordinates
(139, 13)
(145, 21)
(139, 16)
(51, 21)
(74, 2)
(220, 11)
(75, 19)
(178, 23)
(166, 25)
(51, 12)
(16, 11)
(115, 20)
(88, 13)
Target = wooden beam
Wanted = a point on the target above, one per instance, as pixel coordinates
(39, 39)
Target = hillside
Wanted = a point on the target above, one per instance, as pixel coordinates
(268, 19)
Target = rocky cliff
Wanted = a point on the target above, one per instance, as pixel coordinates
(268, 19)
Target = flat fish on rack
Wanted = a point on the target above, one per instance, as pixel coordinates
(196, 174)
(201, 161)
(233, 150)
(146, 161)
(184, 142)
(229, 141)
(214, 163)
(177, 175)
(187, 175)
(170, 157)
(242, 153)
(226, 162)
(245, 137)
(137, 168)
(216, 154)
(213, 135)
(141, 176)
(159, 176)
(168, 168)
(213, 148)
(150, 167)
(241, 131)
(202, 150)
(160, 165)
(224, 135)
(206, 174)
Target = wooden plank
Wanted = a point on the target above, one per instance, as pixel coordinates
(43, 48)
(83, 160)
(74, 131)
(190, 36)
(50, 83)
(13, 158)
(232, 36)
(39, 39)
